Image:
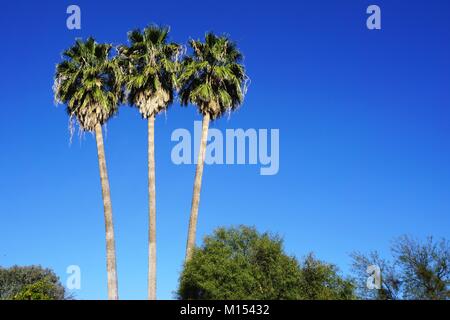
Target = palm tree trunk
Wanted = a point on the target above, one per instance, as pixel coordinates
(111, 267)
(152, 211)
(197, 187)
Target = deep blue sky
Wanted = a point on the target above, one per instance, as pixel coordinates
(364, 119)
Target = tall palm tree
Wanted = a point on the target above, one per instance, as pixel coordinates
(214, 80)
(149, 65)
(88, 83)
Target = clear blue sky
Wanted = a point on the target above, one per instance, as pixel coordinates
(364, 119)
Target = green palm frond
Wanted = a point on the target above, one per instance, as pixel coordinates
(150, 65)
(88, 82)
(213, 78)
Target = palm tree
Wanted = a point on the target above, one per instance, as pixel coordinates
(150, 64)
(88, 83)
(214, 80)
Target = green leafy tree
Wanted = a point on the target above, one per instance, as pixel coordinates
(240, 263)
(150, 66)
(88, 82)
(214, 80)
(322, 281)
(30, 283)
(417, 271)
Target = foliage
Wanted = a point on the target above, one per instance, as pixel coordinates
(240, 263)
(150, 66)
(213, 78)
(88, 82)
(418, 270)
(36, 291)
(390, 284)
(31, 282)
(321, 281)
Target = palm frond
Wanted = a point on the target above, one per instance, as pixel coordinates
(149, 66)
(213, 77)
(88, 82)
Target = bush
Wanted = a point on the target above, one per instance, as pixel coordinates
(30, 283)
(240, 263)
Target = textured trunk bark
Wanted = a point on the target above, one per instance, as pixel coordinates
(197, 187)
(152, 211)
(111, 267)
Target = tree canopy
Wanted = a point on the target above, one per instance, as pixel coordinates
(150, 67)
(241, 263)
(88, 81)
(30, 283)
(418, 270)
(213, 77)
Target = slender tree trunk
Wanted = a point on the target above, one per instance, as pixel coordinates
(111, 267)
(152, 211)
(197, 187)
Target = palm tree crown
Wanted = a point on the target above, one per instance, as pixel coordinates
(213, 78)
(88, 82)
(150, 66)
